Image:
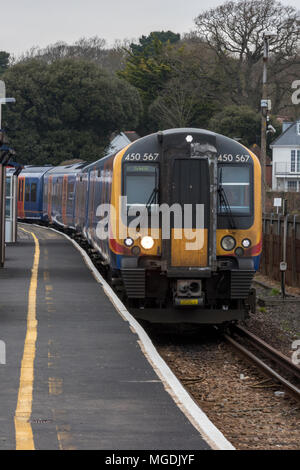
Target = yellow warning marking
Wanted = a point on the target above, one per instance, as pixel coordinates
(24, 434)
(189, 302)
(51, 358)
(63, 430)
(55, 386)
(64, 439)
(48, 287)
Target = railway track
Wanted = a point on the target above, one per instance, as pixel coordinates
(240, 338)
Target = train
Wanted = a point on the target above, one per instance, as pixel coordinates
(175, 219)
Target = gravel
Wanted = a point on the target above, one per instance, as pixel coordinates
(275, 321)
(251, 410)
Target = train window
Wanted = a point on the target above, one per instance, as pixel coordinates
(234, 180)
(141, 184)
(27, 192)
(33, 192)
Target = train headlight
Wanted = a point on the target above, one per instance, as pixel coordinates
(128, 242)
(147, 243)
(246, 243)
(228, 243)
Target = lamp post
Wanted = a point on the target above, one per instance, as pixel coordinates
(264, 115)
(3, 161)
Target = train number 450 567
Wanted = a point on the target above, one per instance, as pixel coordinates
(228, 157)
(144, 157)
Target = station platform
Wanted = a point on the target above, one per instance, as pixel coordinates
(76, 376)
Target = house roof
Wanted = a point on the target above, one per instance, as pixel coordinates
(132, 135)
(121, 140)
(289, 137)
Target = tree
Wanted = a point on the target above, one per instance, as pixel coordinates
(175, 105)
(242, 123)
(147, 69)
(66, 110)
(4, 61)
(234, 32)
(182, 103)
(239, 122)
(93, 49)
(146, 44)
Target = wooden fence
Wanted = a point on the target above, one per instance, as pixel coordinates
(272, 253)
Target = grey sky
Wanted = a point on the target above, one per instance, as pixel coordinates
(27, 23)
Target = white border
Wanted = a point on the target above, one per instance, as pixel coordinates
(173, 386)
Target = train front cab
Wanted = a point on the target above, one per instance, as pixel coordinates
(209, 284)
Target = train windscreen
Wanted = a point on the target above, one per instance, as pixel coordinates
(141, 185)
(234, 180)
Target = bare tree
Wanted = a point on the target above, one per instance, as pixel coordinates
(93, 49)
(175, 105)
(234, 31)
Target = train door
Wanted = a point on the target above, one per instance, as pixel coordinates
(50, 198)
(71, 201)
(86, 189)
(31, 206)
(27, 198)
(64, 199)
(34, 199)
(91, 203)
(190, 191)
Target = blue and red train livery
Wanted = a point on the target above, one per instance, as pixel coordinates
(30, 192)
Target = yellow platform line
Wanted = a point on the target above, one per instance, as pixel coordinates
(24, 434)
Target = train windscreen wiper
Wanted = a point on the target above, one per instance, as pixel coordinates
(224, 202)
(152, 198)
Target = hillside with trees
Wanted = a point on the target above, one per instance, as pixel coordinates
(70, 98)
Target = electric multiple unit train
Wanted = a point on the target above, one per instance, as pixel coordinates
(175, 218)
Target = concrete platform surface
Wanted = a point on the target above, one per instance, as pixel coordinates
(75, 375)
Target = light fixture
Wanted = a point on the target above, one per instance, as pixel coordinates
(246, 243)
(128, 242)
(228, 243)
(135, 250)
(147, 243)
(239, 251)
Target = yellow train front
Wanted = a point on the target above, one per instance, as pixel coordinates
(186, 226)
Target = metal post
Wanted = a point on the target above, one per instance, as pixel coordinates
(264, 112)
(283, 264)
(2, 215)
(15, 207)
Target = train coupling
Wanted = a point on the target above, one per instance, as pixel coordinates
(188, 293)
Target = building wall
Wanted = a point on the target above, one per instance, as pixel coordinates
(281, 164)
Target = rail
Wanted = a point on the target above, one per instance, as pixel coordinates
(282, 362)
